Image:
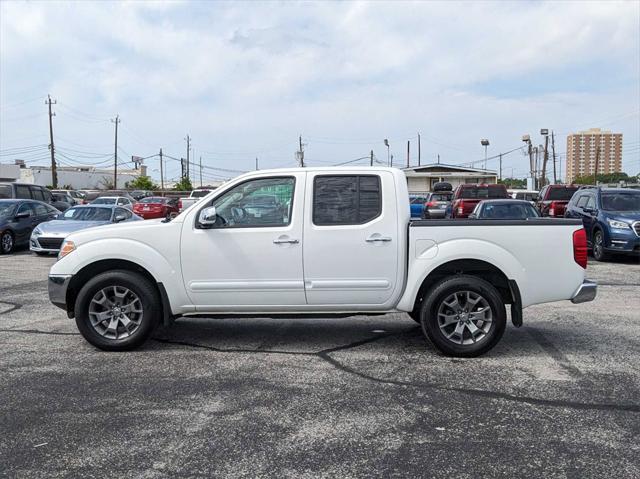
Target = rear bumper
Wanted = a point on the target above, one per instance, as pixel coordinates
(586, 292)
(58, 286)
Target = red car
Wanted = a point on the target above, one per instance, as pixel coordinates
(156, 207)
(553, 199)
(467, 196)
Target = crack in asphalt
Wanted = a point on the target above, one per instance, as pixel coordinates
(15, 287)
(12, 307)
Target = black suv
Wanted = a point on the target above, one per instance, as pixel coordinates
(25, 191)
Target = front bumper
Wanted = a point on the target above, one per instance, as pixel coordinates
(586, 292)
(58, 285)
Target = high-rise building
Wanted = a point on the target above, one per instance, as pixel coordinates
(586, 147)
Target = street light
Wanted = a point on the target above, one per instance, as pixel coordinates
(386, 143)
(485, 143)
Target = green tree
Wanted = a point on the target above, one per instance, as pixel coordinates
(142, 183)
(513, 183)
(602, 178)
(183, 185)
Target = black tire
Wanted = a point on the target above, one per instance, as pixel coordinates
(461, 285)
(148, 318)
(599, 253)
(416, 316)
(7, 242)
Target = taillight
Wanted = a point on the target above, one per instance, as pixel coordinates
(430, 203)
(580, 247)
(461, 207)
(180, 204)
(553, 208)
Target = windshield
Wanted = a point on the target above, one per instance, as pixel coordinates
(104, 201)
(509, 211)
(153, 199)
(621, 201)
(494, 191)
(6, 208)
(87, 214)
(561, 194)
(199, 193)
(441, 196)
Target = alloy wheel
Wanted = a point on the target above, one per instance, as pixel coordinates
(465, 317)
(115, 312)
(597, 245)
(6, 243)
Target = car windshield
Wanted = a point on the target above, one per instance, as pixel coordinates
(561, 194)
(508, 211)
(87, 214)
(104, 201)
(6, 208)
(153, 199)
(441, 196)
(483, 192)
(621, 201)
(199, 193)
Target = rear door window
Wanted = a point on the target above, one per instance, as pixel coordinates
(36, 194)
(582, 201)
(23, 192)
(346, 199)
(6, 191)
(40, 209)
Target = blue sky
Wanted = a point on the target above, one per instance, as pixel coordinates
(244, 79)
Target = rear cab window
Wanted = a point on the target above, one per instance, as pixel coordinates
(346, 199)
(483, 192)
(561, 194)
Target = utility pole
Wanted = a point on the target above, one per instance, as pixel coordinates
(257, 164)
(553, 149)
(419, 149)
(391, 165)
(543, 178)
(501, 166)
(371, 157)
(200, 171)
(161, 172)
(408, 149)
(438, 158)
(115, 154)
(300, 153)
(54, 171)
(188, 149)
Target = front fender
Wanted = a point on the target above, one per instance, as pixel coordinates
(133, 251)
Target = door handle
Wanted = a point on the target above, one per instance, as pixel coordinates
(286, 241)
(373, 239)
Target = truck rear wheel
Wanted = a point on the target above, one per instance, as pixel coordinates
(117, 310)
(463, 316)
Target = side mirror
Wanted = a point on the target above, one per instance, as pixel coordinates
(208, 216)
(119, 218)
(22, 214)
(589, 211)
(473, 216)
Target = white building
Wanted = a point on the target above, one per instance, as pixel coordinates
(420, 179)
(80, 178)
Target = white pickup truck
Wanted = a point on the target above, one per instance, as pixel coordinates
(335, 241)
(195, 196)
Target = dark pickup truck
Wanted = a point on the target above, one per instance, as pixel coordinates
(553, 199)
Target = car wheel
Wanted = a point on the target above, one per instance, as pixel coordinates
(6, 242)
(598, 246)
(463, 316)
(117, 310)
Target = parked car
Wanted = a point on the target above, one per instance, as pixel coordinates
(25, 191)
(139, 194)
(113, 200)
(504, 210)
(18, 218)
(611, 218)
(467, 196)
(435, 205)
(529, 195)
(47, 237)
(553, 199)
(193, 198)
(156, 207)
(62, 201)
(359, 253)
(77, 196)
(416, 205)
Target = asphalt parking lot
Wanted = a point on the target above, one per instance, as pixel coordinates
(359, 397)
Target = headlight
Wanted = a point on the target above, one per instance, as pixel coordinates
(37, 232)
(67, 247)
(621, 225)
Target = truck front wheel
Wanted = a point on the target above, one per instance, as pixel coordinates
(463, 316)
(117, 310)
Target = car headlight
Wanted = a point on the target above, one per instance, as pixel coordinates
(37, 232)
(621, 225)
(67, 247)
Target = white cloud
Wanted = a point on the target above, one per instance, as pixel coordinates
(243, 77)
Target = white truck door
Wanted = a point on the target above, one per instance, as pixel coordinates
(351, 239)
(252, 258)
